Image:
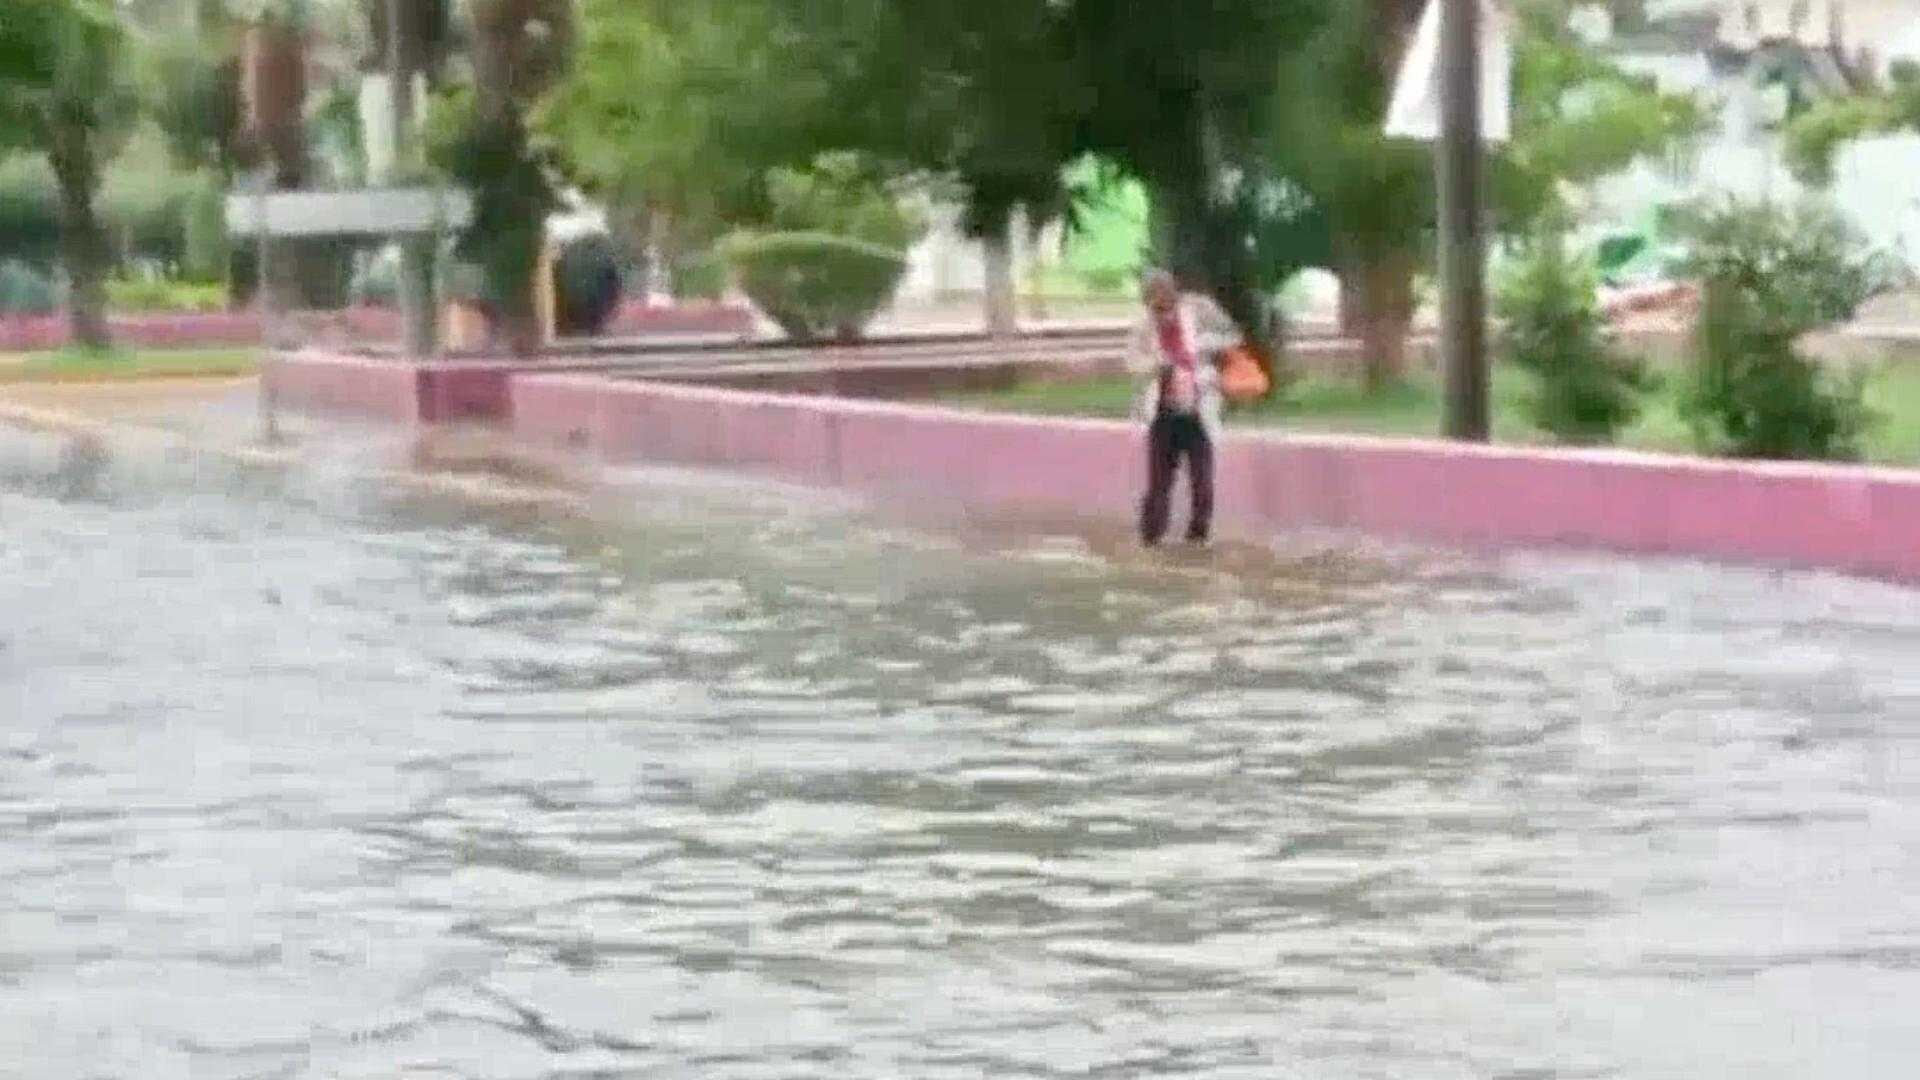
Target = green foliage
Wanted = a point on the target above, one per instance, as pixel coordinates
(426, 34)
(1577, 117)
(1583, 392)
(205, 249)
(72, 79)
(1814, 136)
(337, 136)
(29, 210)
(191, 89)
(586, 284)
(162, 295)
(1771, 275)
(685, 105)
(512, 192)
(843, 195)
(816, 285)
(25, 290)
(701, 276)
(1327, 132)
(150, 206)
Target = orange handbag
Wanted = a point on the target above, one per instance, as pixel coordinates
(1242, 379)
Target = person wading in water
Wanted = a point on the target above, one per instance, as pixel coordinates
(1174, 354)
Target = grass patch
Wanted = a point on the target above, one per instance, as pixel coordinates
(73, 365)
(1412, 410)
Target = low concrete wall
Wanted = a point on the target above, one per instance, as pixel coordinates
(388, 390)
(1850, 519)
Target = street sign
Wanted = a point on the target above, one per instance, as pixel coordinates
(1415, 111)
(374, 212)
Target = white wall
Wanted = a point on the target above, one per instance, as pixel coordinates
(1874, 186)
(946, 262)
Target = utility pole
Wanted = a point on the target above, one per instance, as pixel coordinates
(1460, 166)
(415, 276)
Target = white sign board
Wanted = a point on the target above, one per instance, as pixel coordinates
(374, 212)
(1415, 111)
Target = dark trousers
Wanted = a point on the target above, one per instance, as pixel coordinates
(1174, 436)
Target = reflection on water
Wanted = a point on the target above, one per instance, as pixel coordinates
(302, 780)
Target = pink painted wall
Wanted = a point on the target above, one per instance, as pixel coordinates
(1835, 517)
(329, 383)
(1851, 519)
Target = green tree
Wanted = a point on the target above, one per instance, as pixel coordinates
(1377, 194)
(1577, 117)
(1815, 136)
(675, 111)
(1771, 274)
(62, 95)
(520, 50)
(190, 86)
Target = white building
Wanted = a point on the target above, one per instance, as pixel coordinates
(1743, 55)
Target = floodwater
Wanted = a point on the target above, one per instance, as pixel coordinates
(305, 776)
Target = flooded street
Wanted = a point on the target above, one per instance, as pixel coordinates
(303, 778)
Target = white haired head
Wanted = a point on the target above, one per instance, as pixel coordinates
(1159, 288)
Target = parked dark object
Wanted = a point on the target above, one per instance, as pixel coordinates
(587, 285)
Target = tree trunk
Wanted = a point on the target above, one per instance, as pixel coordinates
(1000, 295)
(1037, 227)
(511, 213)
(83, 242)
(1376, 306)
(274, 89)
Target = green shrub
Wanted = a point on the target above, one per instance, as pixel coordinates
(813, 285)
(206, 250)
(698, 277)
(1769, 276)
(586, 284)
(1813, 139)
(24, 290)
(160, 295)
(842, 196)
(1582, 392)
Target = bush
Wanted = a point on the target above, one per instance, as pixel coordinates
(1583, 392)
(841, 196)
(24, 290)
(814, 285)
(586, 285)
(1771, 275)
(698, 277)
(160, 295)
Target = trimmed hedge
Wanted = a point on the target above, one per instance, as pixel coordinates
(816, 286)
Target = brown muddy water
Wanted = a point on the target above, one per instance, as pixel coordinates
(303, 775)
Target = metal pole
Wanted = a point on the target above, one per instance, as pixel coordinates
(415, 269)
(1459, 162)
(263, 304)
